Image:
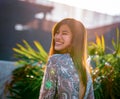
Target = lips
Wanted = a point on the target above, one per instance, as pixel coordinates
(58, 43)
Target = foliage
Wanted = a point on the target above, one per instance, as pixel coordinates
(27, 55)
(98, 47)
(106, 74)
(27, 78)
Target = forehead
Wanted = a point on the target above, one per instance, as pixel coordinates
(64, 27)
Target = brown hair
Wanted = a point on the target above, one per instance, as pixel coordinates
(77, 50)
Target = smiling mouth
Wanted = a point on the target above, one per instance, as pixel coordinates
(58, 43)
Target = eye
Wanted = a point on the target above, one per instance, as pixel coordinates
(64, 32)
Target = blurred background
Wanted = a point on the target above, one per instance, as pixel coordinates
(33, 20)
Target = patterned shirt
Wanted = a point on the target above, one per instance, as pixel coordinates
(61, 80)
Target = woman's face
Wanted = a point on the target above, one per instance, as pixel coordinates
(63, 39)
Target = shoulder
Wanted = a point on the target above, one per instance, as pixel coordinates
(59, 58)
(55, 56)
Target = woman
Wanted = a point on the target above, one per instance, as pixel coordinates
(67, 75)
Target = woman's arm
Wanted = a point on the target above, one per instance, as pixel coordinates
(90, 90)
(49, 83)
(91, 93)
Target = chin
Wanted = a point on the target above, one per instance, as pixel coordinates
(58, 49)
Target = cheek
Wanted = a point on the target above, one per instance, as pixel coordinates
(69, 40)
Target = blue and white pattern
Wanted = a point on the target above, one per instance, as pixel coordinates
(61, 80)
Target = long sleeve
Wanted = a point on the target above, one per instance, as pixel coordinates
(49, 83)
(61, 80)
(91, 93)
(90, 90)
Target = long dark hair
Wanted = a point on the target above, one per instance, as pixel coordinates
(77, 49)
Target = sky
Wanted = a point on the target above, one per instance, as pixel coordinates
(110, 7)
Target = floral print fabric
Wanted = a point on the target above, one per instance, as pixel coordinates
(61, 80)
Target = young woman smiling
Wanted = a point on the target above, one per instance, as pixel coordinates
(67, 75)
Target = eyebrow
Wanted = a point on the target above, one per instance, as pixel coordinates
(65, 31)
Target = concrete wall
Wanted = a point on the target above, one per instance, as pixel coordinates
(6, 68)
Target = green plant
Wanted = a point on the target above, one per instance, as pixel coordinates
(117, 44)
(26, 79)
(106, 78)
(97, 48)
(27, 55)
